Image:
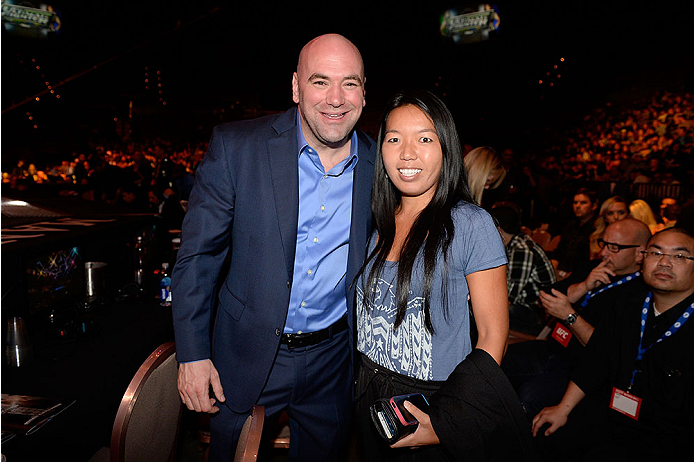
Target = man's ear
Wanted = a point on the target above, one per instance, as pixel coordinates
(363, 85)
(639, 255)
(295, 88)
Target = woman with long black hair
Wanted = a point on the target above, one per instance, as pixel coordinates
(433, 254)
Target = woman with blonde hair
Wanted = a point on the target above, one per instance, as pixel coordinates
(614, 208)
(484, 171)
(640, 210)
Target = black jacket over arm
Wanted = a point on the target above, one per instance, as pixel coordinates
(477, 415)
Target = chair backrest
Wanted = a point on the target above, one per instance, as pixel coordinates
(553, 244)
(249, 441)
(146, 424)
(542, 237)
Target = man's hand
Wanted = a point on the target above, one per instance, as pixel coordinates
(194, 380)
(556, 416)
(557, 304)
(423, 436)
(599, 276)
(596, 278)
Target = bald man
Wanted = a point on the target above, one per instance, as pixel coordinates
(539, 370)
(285, 199)
(620, 254)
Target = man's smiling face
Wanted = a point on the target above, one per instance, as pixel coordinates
(328, 86)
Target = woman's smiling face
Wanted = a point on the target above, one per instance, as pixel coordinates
(412, 153)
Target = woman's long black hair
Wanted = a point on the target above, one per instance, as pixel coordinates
(433, 229)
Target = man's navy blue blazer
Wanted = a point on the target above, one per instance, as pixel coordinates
(245, 202)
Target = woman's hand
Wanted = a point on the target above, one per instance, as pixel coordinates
(423, 436)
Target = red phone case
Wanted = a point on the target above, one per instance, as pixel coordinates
(398, 413)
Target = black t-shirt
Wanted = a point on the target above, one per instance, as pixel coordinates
(666, 380)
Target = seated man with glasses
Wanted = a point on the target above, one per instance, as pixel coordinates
(539, 370)
(630, 398)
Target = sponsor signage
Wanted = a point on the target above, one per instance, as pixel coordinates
(470, 24)
(18, 17)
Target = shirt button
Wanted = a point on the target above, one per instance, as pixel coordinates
(322, 207)
(310, 271)
(303, 303)
(315, 239)
(277, 331)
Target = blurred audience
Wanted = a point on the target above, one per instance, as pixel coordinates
(641, 150)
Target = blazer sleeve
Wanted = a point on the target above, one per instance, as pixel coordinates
(477, 415)
(204, 246)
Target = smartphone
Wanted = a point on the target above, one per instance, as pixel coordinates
(397, 403)
(385, 424)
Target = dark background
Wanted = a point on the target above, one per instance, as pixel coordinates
(223, 61)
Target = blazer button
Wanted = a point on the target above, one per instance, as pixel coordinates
(277, 332)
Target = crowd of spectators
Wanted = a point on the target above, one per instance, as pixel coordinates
(137, 175)
(610, 151)
(651, 141)
(615, 151)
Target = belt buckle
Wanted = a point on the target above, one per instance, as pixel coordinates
(295, 340)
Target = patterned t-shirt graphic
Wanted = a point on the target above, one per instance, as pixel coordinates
(412, 350)
(406, 350)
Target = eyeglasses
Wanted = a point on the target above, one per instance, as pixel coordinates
(679, 258)
(614, 248)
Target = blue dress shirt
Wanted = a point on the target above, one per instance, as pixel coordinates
(322, 240)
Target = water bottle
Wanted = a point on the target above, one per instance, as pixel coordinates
(165, 286)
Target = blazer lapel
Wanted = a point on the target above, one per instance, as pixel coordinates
(361, 210)
(284, 171)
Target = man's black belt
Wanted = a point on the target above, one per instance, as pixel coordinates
(313, 338)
